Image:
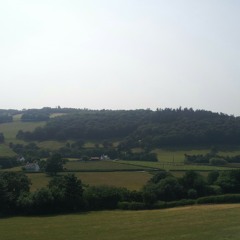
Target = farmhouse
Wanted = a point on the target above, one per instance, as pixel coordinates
(21, 159)
(104, 157)
(32, 167)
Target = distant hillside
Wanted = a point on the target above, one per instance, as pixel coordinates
(139, 128)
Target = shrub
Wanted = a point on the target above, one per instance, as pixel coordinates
(179, 203)
(192, 193)
(217, 161)
(229, 198)
(131, 205)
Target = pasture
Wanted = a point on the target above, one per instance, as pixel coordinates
(6, 151)
(52, 145)
(174, 166)
(11, 129)
(129, 180)
(177, 155)
(100, 166)
(215, 222)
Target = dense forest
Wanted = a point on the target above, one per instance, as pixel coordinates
(138, 128)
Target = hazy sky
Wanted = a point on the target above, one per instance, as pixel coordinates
(120, 54)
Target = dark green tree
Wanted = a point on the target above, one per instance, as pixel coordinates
(2, 138)
(67, 192)
(192, 180)
(54, 164)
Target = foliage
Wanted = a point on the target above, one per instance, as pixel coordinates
(212, 177)
(229, 181)
(192, 180)
(30, 151)
(142, 128)
(34, 115)
(67, 191)
(8, 162)
(216, 161)
(67, 194)
(12, 185)
(212, 159)
(2, 139)
(227, 198)
(4, 118)
(105, 197)
(131, 205)
(54, 164)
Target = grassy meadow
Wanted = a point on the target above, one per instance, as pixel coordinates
(174, 166)
(11, 129)
(215, 222)
(100, 165)
(129, 180)
(168, 159)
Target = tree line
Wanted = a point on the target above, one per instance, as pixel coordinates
(142, 128)
(212, 159)
(66, 193)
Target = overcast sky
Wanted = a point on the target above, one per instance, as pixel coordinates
(120, 54)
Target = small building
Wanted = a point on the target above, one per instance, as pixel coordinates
(32, 167)
(104, 157)
(21, 159)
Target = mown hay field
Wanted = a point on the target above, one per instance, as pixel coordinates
(215, 222)
(100, 165)
(174, 166)
(11, 129)
(129, 180)
(177, 155)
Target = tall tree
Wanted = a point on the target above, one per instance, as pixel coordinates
(54, 164)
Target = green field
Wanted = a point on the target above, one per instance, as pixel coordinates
(174, 166)
(52, 145)
(215, 222)
(129, 180)
(6, 151)
(177, 156)
(99, 165)
(11, 129)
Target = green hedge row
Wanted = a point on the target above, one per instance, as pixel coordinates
(228, 198)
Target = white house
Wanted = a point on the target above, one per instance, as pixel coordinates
(32, 167)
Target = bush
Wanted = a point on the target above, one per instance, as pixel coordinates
(183, 202)
(214, 190)
(217, 161)
(103, 197)
(179, 203)
(229, 198)
(131, 205)
(192, 193)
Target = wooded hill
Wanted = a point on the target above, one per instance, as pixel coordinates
(137, 128)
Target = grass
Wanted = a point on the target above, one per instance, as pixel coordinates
(53, 115)
(172, 167)
(129, 180)
(17, 117)
(99, 165)
(11, 129)
(52, 145)
(38, 180)
(6, 151)
(215, 222)
(177, 155)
